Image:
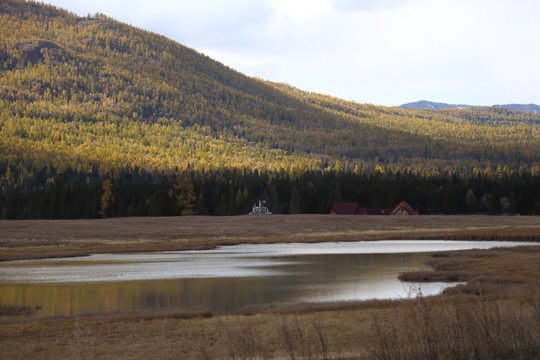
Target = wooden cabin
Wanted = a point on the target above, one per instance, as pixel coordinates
(345, 208)
(351, 208)
(403, 208)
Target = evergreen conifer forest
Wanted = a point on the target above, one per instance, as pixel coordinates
(101, 119)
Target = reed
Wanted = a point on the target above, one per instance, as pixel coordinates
(436, 276)
(37, 239)
(465, 328)
(495, 315)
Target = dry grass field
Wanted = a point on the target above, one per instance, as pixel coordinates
(53, 238)
(496, 315)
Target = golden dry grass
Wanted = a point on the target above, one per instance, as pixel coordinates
(496, 312)
(54, 238)
(487, 319)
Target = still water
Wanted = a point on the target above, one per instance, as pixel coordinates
(227, 278)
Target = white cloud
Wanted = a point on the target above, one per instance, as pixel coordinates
(299, 11)
(367, 5)
(379, 51)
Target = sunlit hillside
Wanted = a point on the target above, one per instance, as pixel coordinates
(93, 91)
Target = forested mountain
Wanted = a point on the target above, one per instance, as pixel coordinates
(88, 105)
(424, 104)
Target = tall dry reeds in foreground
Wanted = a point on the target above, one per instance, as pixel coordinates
(464, 328)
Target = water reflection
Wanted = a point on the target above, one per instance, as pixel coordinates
(225, 279)
(301, 278)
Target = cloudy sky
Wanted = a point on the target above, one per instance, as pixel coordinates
(384, 52)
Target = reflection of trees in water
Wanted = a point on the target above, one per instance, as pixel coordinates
(299, 278)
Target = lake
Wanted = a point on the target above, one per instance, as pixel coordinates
(224, 279)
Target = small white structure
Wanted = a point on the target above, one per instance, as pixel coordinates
(260, 209)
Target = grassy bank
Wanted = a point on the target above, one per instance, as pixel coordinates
(495, 316)
(60, 238)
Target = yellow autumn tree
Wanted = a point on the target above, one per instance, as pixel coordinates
(185, 194)
(107, 199)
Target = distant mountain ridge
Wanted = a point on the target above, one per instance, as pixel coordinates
(425, 104)
(532, 108)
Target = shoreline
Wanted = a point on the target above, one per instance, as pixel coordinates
(40, 239)
(501, 297)
(447, 266)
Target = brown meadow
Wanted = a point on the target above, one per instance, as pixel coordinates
(61, 238)
(495, 315)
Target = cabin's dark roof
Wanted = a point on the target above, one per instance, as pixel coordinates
(351, 208)
(345, 208)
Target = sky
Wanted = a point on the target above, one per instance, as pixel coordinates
(383, 52)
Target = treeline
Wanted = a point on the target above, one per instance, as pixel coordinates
(47, 193)
(99, 119)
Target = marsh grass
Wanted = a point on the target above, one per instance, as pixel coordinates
(460, 326)
(463, 328)
(38, 239)
(495, 315)
(436, 276)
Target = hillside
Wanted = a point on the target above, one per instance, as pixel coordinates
(98, 118)
(92, 90)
